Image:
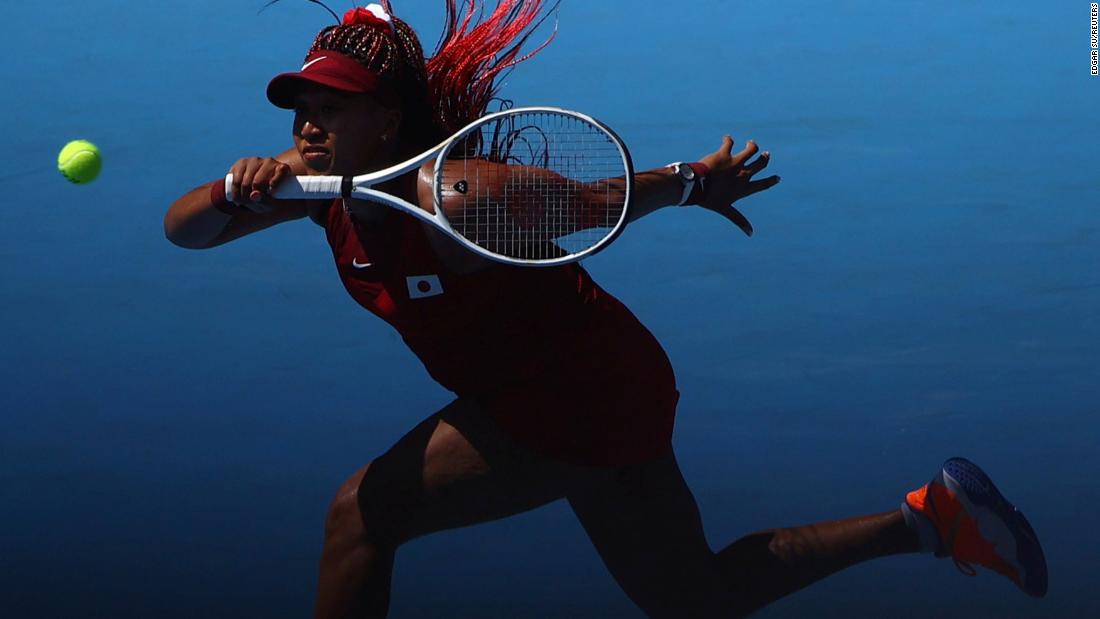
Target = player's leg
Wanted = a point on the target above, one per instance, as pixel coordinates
(453, 469)
(645, 524)
(959, 514)
(646, 527)
(765, 566)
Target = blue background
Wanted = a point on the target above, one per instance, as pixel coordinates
(923, 283)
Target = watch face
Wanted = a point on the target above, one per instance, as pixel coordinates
(685, 172)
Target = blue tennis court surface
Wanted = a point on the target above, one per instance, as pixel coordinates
(924, 283)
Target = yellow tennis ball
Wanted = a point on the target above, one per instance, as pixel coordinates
(80, 161)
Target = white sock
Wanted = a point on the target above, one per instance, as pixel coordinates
(926, 531)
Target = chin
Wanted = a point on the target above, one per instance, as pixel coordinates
(317, 169)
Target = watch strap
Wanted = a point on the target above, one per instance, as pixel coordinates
(687, 185)
(699, 186)
(693, 189)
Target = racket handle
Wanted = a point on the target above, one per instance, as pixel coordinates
(299, 187)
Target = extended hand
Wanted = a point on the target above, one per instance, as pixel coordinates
(729, 180)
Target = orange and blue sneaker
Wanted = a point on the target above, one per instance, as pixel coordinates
(961, 514)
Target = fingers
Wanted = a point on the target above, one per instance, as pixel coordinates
(738, 219)
(244, 175)
(730, 180)
(759, 163)
(761, 185)
(238, 171)
(253, 180)
(727, 145)
(281, 172)
(745, 153)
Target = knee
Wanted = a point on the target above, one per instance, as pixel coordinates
(343, 520)
(368, 508)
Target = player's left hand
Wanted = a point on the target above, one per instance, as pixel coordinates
(730, 179)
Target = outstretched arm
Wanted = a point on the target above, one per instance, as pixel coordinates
(518, 193)
(201, 219)
(729, 179)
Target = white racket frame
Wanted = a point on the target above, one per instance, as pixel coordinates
(360, 187)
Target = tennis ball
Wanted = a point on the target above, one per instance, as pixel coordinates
(80, 161)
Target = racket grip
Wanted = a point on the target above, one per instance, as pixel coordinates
(299, 187)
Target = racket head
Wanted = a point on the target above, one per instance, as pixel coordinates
(535, 186)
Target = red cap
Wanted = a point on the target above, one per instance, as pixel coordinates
(331, 69)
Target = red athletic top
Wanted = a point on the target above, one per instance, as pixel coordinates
(471, 331)
(507, 334)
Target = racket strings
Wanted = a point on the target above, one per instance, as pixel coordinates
(536, 186)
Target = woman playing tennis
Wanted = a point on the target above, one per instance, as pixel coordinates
(560, 393)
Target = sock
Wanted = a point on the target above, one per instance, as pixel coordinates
(925, 530)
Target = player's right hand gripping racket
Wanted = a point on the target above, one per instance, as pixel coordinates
(535, 186)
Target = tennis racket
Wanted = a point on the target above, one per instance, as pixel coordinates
(536, 186)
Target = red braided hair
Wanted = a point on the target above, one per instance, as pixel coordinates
(455, 86)
(463, 70)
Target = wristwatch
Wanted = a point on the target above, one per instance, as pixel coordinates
(690, 174)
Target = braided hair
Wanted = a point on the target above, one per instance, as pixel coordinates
(473, 53)
(396, 57)
(440, 95)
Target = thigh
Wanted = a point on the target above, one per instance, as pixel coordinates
(456, 468)
(646, 526)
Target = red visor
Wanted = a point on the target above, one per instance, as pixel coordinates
(331, 69)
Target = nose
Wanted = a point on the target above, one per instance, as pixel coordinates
(309, 129)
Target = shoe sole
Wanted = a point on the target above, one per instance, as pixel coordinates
(999, 522)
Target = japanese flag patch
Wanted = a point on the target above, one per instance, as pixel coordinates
(423, 286)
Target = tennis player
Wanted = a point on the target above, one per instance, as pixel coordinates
(560, 391)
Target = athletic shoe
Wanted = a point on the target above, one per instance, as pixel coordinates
(974, 523)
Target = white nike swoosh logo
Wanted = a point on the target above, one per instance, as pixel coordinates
(355, 263)
(306, 65)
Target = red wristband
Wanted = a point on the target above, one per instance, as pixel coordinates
(219, 201)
